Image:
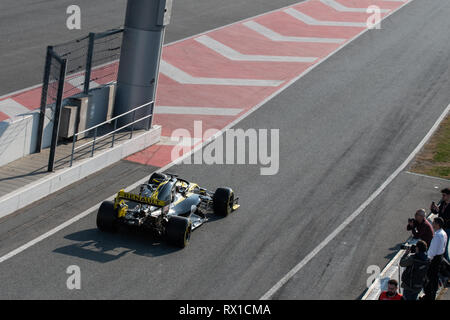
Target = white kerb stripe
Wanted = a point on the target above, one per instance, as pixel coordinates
(355, 214)
(311, 21)
(12, 108)
(232, 54)
(339, 7)
(197, 110)
(274, 36)
(182, 77)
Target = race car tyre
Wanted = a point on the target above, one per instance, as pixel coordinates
(178, 231)
(223, 200)
(107, 217)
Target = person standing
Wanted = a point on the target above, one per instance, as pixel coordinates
(443, 211)
(415, 274)
(435, 254)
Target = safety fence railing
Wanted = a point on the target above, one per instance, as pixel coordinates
(75, 67)
(95, 129)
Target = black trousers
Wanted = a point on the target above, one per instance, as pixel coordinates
(433, 278)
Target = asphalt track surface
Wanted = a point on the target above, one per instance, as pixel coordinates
(344, 128)
(27, 27)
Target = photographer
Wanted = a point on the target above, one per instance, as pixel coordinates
(420, 227)
(415, 274)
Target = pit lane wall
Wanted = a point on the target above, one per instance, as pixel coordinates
(18, 135)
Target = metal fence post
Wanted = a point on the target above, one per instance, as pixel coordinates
(132, 126)
(48, 62)
(73, 149)
(90, 53)
(114, 132)
(93, 143)
(150, 119)
(62, 75)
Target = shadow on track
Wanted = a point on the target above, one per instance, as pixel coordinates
(92, 244)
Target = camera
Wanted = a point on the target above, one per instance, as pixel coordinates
(412, 247)
(411, 220)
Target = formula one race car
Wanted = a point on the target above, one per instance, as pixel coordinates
(168, 206)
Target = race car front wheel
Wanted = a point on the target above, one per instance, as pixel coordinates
(178, 231)
(107, 217)
(223, 200)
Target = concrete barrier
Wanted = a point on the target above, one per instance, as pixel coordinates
(60, 179)
(18, 135)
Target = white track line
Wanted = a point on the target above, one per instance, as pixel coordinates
(311, 21)
(197, 110)
(232, 54)
(428, 177)
(182, 77)
(196, 148)
(356, 213)
(274, 36)
(340, 7)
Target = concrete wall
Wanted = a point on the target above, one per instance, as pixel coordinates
(18, 135)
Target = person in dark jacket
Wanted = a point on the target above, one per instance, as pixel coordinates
(415, 275)
(420, 227)
(443, 211)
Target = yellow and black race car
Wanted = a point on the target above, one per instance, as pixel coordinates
(168, 206)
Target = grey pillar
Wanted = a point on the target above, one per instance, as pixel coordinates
(142, 42)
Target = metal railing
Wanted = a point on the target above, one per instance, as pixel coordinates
(115, 130)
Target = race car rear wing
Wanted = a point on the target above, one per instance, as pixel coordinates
(122, 195)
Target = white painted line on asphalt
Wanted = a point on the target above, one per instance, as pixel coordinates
(428, 177)
(356, 213)
(232, 54)
(311, 21)
(274, 36)
(198, 111)
(182, 77)
(340, 7)
(12, 108)
(199, 146)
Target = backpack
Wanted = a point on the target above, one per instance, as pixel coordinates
(415, 275)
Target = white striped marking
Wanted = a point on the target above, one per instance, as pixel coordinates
(339, 7)
(78, 82)
(182, 77)
(274, 36)
(197, 111)
(232, 54)
(12, 108)
(311, 21)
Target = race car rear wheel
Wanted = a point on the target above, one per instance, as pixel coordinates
(178, 231)
(107, 217)
(223, 200)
